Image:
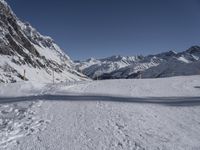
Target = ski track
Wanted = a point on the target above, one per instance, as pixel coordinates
(104, 125)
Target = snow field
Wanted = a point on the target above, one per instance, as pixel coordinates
(141, 114)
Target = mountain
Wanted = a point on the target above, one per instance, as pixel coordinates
(164, 64)
(172, 68)
(97, 67)
(24, 51)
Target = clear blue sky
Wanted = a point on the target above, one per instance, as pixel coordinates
(99, 28)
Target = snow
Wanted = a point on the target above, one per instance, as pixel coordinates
(4, 2)
(111, 114)
(183, 59)
(172, 68)
(76, 113)
(38, 55)
(34, 74)
(116, 67)
(97, 67)
(21, 89)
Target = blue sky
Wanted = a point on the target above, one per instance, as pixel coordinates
(100, 28)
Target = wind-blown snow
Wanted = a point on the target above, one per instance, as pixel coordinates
(141, 114)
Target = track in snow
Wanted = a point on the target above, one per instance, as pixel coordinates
(93, 115)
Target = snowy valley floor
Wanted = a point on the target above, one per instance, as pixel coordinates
(142, 114)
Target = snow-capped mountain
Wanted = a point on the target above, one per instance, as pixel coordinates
(97, 67)
(174, 67)
(24, 51)
(160, 65)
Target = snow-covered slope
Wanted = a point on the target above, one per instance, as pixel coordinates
(142, 114)
(117, 67)
(97, 67)
(22, 48)
(172, 68)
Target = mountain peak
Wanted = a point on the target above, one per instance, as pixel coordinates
(113, 58)
(169, 53)
(91, 59)
(193, 49)
(5, 9)
(4, 2)
(117, 66)
(22, 48)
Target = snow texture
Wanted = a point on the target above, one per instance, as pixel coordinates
(142, 114)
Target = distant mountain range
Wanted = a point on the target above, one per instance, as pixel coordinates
(165, 64)
(25, 54)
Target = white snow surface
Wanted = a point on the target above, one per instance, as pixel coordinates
(135, 114)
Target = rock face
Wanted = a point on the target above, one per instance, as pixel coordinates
(23, 50)
(152, 66)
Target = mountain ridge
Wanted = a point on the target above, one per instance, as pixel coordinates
(25, 54)
(117, 67)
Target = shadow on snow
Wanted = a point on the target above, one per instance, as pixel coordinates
(171, 101)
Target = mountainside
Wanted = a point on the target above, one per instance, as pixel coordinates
(172, 68)
(152, 66)
(24, 51)
(97, 67)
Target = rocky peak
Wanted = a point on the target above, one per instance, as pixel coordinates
(193, 49)
(167, 54)
(5, 9)
(22, 46)
(113, 58)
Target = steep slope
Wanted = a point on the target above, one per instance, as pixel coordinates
(23, 50)
(167, 63)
